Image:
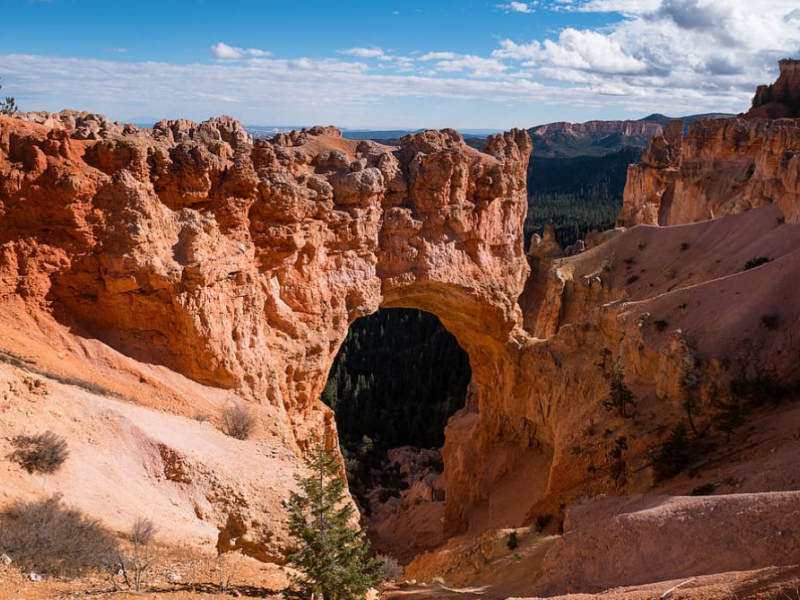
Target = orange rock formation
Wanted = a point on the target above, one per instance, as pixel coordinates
(723, 166)
(240, 265)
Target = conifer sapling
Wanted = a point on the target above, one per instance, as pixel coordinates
(332, 558)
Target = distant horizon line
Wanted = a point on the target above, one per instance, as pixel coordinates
(150, 122)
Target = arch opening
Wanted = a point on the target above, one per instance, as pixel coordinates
(398, 377)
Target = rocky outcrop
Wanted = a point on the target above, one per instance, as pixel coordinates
(781, 99)
(241, 264)
(600, 129)
(722, 166)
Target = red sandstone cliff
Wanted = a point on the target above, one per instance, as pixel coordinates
(781, 99)
(722, 166)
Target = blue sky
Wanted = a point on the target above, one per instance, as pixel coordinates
(393, 63)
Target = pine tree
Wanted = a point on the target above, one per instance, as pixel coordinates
(8, 106)
(332, 559)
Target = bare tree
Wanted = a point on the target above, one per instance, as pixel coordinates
(136, 567)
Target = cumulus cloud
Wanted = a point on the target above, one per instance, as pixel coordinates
(364, 52)
(520, 7)
(223, 51)
(438, 56)
(682, 45)
(575, 50)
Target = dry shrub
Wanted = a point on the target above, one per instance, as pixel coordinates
(136, 566)
(40, 453)
(48, 538)
(391, 570)
(237, 421)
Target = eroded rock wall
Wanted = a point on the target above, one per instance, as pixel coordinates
(241, 265)
(722, 167)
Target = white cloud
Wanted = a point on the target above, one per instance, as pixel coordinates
(306, 91)
(625, 7)
(720, 48)
(475, 66)
(116, 50)
(438, 56)
(575, 50)
(364, 52)
(520, 7)
(223, 51)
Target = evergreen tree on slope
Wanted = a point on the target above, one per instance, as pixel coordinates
(332, 560)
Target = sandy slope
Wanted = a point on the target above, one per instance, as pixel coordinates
(127, 460)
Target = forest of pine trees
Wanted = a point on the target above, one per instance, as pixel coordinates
(398, 377)
(577, 194)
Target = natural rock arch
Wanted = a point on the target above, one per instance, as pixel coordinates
(242, 264)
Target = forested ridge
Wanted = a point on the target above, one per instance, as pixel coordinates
(577, 194)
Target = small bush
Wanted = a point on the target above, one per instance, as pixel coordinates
(750, 170)
(771, 322)
(633, 279)
(757, 392)
(391, 570)
(630, 261)
(619, 394)
(40, 453)
(684, 246)
(237, 421)
(136, 567)
(542, 521)
(729, 415)
(661, 325)
(704, 490)
(47, 538)
(386, 493)
(674, 455)
(512, 541)
(756, 262)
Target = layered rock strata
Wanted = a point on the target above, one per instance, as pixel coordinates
(722, 166)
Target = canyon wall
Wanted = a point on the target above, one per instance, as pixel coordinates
(722, 166)
(601, 129)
